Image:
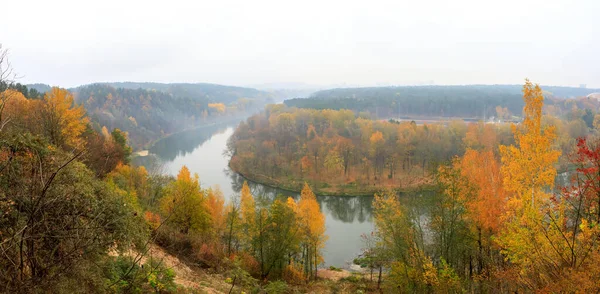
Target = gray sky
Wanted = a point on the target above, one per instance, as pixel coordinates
(322, 42)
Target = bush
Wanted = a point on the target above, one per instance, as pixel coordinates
(211, 254)
(249, 263)
(351, 279)
(277, 287)
(293, 275)
(125, 276)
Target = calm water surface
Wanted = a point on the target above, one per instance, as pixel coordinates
(202, 151)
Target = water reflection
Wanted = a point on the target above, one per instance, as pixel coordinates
(185, 142)
(348, 209)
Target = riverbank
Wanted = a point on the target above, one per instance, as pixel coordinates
(145, 150)
(326, 189)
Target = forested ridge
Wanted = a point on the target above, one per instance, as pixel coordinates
(201, 91)
(150, 111)
(469, 101)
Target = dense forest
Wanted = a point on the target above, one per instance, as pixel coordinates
(472, 101)
(340, 152)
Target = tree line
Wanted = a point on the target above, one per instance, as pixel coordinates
(471, 101)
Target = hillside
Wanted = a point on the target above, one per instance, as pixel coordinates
(474, 101)
(150, 114)
(201, 91)
(150, 111)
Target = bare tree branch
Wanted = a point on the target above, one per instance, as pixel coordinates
(7, 78)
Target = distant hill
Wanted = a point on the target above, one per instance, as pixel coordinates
(42, 88)
(210, 92)
(556, 91)
(149, 111)
(569, 92)
(196, 91)
(475, 101)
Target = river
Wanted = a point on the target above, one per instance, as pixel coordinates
(202, 151)
(346, 217)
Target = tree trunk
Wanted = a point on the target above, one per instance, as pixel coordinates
(232, 284)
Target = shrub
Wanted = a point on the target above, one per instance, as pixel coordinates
(276, 287)
(293, 274)
(124, 276)
(249, 263)
(351, 279)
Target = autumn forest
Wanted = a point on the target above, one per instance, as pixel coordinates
(499, 222)
(513, 174)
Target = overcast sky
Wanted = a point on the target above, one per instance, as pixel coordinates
(321, 42)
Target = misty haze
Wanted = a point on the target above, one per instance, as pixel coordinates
(310, 147)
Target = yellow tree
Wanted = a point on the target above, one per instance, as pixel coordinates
(215, 202)
(248, 214)
(14, 109)
(62, 120)
(528, 168)
(528, 172)
(312, 223)
(218, 107)
(131, 181)
(233, 226)
(377, 148)
(184, 204)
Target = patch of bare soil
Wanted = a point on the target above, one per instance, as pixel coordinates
(194, 279)
(333, 275)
